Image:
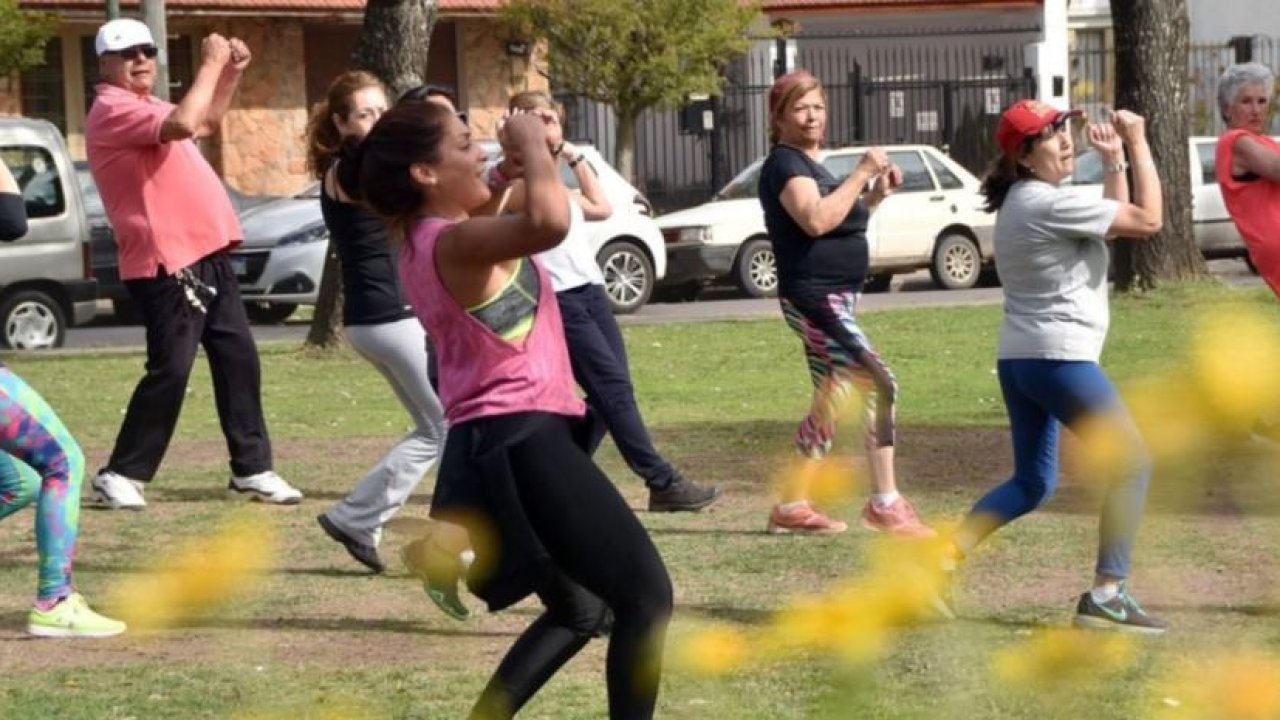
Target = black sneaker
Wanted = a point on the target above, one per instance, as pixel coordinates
(681, 495)
(364, 553)
(1121, 613)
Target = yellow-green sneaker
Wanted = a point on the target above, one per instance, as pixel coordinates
(72, 618)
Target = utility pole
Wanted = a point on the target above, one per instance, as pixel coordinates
(153, 16)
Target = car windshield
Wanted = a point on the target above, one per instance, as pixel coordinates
(745, 185)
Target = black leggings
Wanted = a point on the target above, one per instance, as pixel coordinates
(605, 560)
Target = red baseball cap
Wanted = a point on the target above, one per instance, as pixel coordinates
(1027, 118)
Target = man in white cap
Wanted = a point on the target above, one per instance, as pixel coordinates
(174, 223)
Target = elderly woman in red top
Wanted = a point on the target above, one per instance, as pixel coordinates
(1248, 165)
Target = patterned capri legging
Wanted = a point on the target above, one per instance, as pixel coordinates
(841, 360)
(40, 462)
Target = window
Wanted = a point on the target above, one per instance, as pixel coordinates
(946, 178)
(745, 185)
(841, 166)
(38, 179)
(915, 176)
(42, 88)
(1207, 152)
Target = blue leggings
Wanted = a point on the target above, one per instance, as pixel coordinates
(40, 462)
(1040, 395)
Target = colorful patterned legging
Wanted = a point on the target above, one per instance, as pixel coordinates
(840, 360)
(40, 462)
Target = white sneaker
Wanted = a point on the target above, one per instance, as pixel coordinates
(117, 492)
(265, 487)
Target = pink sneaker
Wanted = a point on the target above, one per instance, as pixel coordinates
(897, 519)
(803, 520)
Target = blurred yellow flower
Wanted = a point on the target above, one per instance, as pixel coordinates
(1241, 685)
(1061, 656)
(713, 651)
(199, 575)
(1233, 361)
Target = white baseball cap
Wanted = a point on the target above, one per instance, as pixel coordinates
(120, 34)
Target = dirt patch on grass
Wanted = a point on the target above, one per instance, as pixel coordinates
(319, 608)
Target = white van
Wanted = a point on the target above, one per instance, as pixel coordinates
(46, 282)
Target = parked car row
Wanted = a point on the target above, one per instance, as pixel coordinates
(933, 222)
(280, 262)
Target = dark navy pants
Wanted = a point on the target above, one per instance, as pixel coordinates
(599, 360)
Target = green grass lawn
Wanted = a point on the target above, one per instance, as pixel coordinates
(315, 637)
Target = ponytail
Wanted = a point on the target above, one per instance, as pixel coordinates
(322, 136)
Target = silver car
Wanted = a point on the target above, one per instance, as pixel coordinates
(281, 260)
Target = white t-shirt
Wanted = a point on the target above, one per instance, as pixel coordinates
(572, 263)
(1052, 260)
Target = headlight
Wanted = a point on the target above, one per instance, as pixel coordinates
(694, 235)
(311, 234)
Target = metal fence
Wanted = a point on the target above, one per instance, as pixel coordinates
(948, 94)
(1093, 77)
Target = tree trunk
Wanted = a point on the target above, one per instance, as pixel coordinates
(393, 45)
(626, 143)
(1152, 39)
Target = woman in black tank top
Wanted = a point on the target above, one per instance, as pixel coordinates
(378, 323)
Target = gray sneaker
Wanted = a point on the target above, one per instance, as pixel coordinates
(1121, 613)
(681, 495)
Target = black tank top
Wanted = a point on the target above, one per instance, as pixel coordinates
(370, 281)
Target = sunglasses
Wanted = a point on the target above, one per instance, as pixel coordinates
(133, 53)
(1054, 127)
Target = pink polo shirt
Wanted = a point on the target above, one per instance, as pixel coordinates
(164, 201)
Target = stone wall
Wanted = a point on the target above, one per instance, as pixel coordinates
(488, 75)
(261, 148)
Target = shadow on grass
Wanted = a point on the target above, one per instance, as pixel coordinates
(308, 624)
(1225, 481)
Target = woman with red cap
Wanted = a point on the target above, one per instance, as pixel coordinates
(818, 227)
(1052, 259)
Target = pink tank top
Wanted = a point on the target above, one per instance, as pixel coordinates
(481, 374)
(1254, 205)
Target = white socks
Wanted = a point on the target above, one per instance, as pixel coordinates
(884, 500)
(1105, 592)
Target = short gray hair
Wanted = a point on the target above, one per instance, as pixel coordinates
(1239, 75)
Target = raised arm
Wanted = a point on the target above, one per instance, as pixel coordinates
(1144, 215)
(197, 115)
(818, 215)
(594, 201)
(541, 225)
(1251, 156)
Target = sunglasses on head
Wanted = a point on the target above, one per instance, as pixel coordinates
(133, 53)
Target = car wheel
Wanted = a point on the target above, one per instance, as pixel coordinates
(628, 275)
(877, 282)
(31, 320)
(956, 262)
(756, 270)
(268, 313)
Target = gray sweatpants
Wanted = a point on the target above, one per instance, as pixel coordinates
(399, 351)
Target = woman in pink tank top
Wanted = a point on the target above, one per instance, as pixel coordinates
(1248, 165)
(517, 470)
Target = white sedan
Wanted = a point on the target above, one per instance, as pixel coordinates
(933, 222)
